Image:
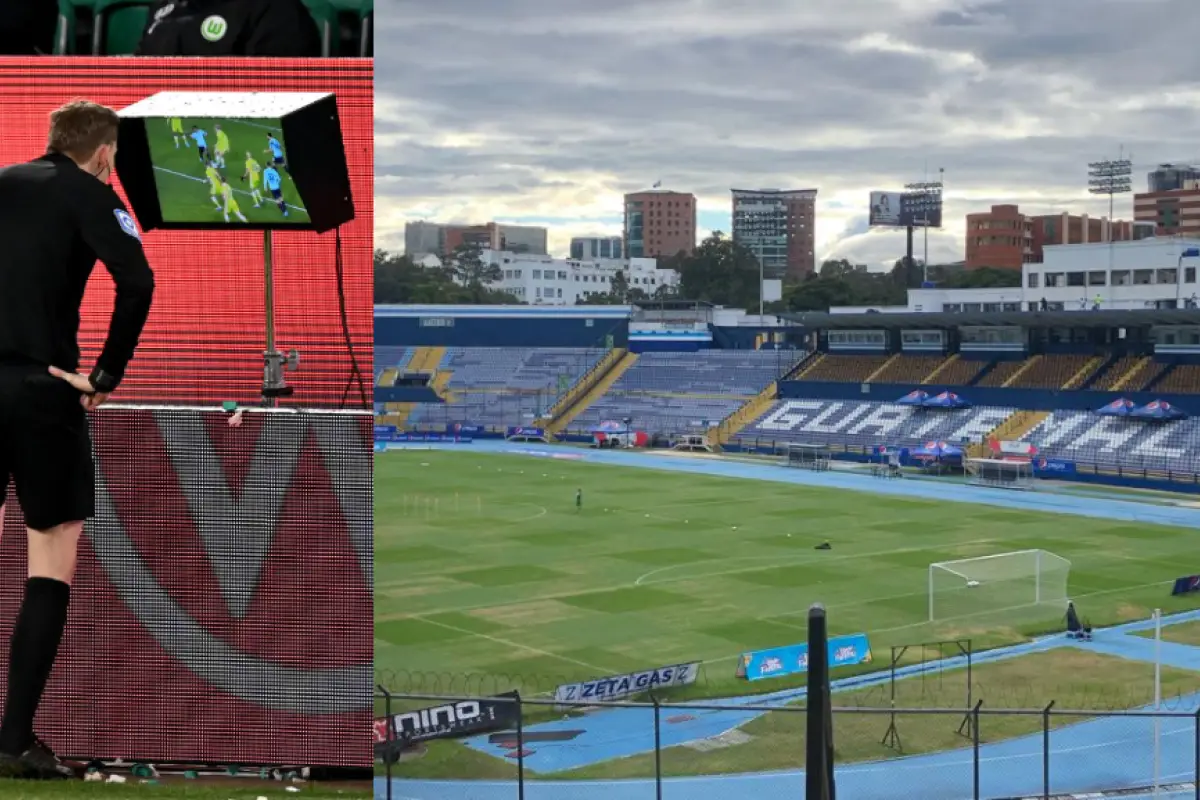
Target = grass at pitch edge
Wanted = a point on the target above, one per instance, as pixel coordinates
(1179, 633)
(488, 579)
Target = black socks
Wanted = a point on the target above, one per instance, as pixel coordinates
(34, 647)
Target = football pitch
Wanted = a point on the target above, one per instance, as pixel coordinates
(489, 579)
(183, 190)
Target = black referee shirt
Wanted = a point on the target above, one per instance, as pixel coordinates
(55, 221)
(257, 28)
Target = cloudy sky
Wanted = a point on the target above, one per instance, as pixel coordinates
(547, 111)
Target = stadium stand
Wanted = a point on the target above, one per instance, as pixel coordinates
(844, 368)
(1115, 444)
(762, 400)
(390, 364)
(1001, 373)
(1055, 371)
(907, 369)
(956, 371)
(670, 393)
(501, 386)
(1141, 376)
(1083, 437)
(865, 424)
(1113, 373)
(1181, 378)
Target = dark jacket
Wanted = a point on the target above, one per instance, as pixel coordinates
(56, 221)
(258, 28)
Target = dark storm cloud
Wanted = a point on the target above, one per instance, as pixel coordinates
(550, 109)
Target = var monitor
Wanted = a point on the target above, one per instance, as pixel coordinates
(235, 160)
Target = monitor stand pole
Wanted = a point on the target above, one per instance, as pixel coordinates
(274, 362)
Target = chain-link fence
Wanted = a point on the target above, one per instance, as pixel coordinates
(513, 747)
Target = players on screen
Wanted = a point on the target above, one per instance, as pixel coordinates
(214, 142)
(215, 192)
(253, 173)
(275, 148)
(231, 203)
(274, 184)
(200, 137)
(222, 146)
(177, 133)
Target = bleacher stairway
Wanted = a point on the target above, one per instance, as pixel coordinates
(581, 387)
(424, 361)
(1016, 376)
(752, 410)
(1012, 429)
(604, 380)
(932, 377)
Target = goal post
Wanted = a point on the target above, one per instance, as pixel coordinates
(1024, 579)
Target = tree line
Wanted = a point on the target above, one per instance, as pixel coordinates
(718, 271)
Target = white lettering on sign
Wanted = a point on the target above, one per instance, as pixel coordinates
(787, 416)
(883, 419)
(1057, 428)
(817, 423)
(1110, 433)
(1152, 446)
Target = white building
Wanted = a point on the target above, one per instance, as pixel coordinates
(542, 280)
(590, 247)
(1142, 274)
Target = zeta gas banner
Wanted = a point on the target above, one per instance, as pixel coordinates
(844, 651)
(618, 687)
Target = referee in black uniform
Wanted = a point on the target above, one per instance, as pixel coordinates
(58, 215)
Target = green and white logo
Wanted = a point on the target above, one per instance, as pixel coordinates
(214, 28)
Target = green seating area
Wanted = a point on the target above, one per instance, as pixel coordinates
(114, 27)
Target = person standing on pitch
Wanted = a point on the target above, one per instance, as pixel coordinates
(58, 215)
(579, 499)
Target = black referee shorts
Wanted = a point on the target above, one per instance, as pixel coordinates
(45, 447)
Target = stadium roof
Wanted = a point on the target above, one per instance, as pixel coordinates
(1026, 319)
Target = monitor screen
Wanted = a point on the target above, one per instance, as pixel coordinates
(215, 170)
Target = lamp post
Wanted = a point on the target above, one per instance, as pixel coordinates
(926, 196)
(1111, 178)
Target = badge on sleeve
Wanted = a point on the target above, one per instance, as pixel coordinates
(127, 224)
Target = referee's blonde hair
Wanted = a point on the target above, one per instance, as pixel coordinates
(79, 128)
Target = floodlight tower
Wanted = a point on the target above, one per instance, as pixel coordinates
(1111, 178)
(925, 198)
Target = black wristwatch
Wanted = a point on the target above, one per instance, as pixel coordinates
(103, 382)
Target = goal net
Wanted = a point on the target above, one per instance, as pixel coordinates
(1034, 580)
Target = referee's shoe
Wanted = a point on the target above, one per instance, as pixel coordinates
(38, 763)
